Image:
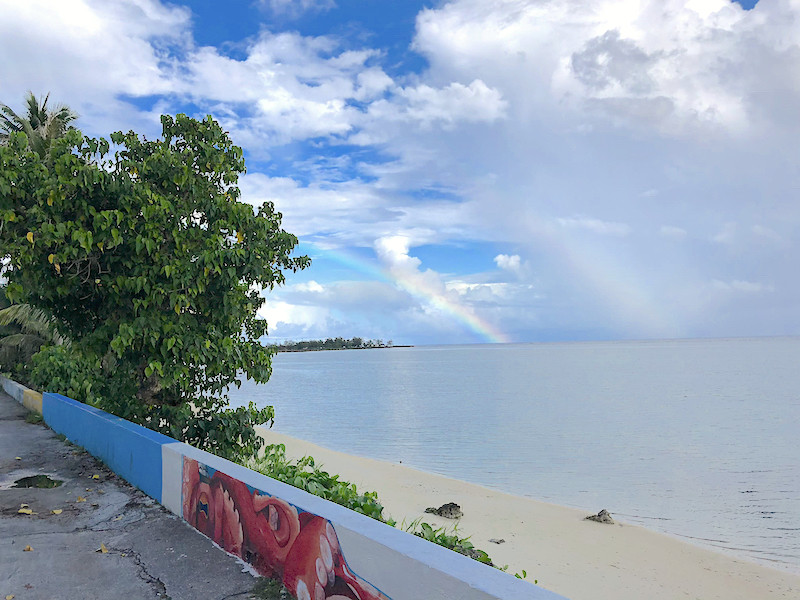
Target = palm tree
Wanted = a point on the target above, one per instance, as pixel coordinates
(23, 331)
(41, 125)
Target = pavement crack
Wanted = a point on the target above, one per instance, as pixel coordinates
(154, 582)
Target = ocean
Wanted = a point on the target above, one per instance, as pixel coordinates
(699, 439)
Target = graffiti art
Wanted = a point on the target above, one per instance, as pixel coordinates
(279, 540)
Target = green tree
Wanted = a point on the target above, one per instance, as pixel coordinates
(153, 267)
(41, 125)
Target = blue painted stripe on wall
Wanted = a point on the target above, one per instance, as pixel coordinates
(130, 450)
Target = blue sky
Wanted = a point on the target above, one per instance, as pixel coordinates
(474, 170)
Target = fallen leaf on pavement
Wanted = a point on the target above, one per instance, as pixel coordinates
(102, 549)
(27, 549)
(57, 511)
(17, 458)
(81, 499)
(117, 518)
(25, 511)
(10, 597)
(95, 476)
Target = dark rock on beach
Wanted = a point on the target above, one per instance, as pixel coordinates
(451, 510)
(602, 517)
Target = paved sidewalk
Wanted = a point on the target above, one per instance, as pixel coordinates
(108, 540)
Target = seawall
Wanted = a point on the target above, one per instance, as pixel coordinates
(318, 549)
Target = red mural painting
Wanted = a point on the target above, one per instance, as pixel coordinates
(298, 548)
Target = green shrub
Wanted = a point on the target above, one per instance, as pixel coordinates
(211, 426)
(305, 475)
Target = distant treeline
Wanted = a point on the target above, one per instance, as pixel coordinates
(337, 343)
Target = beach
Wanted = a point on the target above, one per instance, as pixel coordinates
(579, 559)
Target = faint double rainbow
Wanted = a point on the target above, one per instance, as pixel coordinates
(417, 288)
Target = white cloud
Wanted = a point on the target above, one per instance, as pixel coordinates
(355, 212)
(88, 52)
(454, 102)
(509, 263)
(310, 286)
(481, 292)
(288, 87)
(680, 68)
(315, 210)
(279, 315)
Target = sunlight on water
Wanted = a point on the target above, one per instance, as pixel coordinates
(696, 438)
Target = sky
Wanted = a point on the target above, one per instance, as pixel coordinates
(474, 171)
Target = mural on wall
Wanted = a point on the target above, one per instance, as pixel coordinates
(299, 548)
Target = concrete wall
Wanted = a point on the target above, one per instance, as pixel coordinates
(30, 399)
(317, 548)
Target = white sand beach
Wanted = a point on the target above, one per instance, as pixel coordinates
(579, 559)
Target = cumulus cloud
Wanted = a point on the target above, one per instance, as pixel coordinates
(508, 263)
(282, 315)
(454, 102)
(680, 67)
(89, 53)
(288, 87)
(404, 269)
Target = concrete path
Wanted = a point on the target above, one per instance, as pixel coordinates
(95, 536)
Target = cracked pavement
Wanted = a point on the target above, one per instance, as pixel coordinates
(149, 553)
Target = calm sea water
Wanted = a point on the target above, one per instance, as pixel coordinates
(695, 438)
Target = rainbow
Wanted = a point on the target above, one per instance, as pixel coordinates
(615, 282)
(460, 313)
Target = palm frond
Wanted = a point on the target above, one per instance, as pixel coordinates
(22, 342)
(37, 112)
(10, 122)
(33, 321)
(64, 114)
(18, 348)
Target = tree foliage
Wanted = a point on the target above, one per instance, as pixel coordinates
(150, 264)
(337, 343)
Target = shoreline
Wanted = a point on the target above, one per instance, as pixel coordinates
(579, 559)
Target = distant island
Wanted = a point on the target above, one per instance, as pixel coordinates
(337, 343)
